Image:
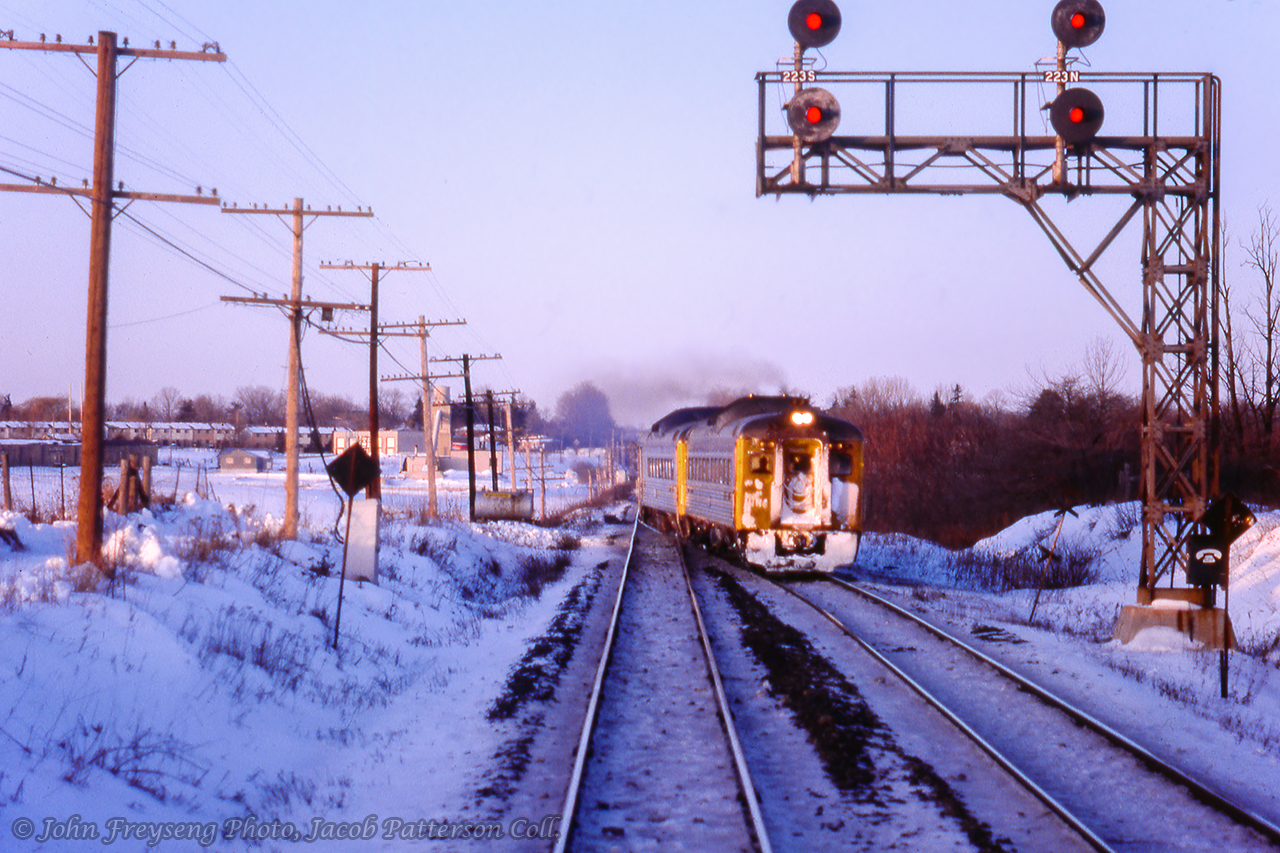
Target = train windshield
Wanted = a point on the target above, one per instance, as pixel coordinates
(798, 487)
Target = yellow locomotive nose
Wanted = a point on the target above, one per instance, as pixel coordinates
(768, 478)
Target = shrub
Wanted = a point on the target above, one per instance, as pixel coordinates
(144, 759)
(538, 571)
(438, 550)
(1070, 566)
(253, 640)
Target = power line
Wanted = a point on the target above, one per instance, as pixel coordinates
(32, 148)
(163, 239)
(166, 317)
(272, 115)
(48, 112)
(203, 36)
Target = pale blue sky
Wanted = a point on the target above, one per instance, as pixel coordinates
(579, 175)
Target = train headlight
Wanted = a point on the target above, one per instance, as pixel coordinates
(802, 418)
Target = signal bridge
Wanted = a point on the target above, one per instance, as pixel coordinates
(1154, 138)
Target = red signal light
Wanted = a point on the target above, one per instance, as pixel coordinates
(814, 23)
(813, 115)
(1078, 23)
(1076, 116)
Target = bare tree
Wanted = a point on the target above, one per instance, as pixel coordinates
(583, 416)
(1262, 254)
(166, 402)
(1250, 337)
(208, 408)
(1103, 368)
(1230, 351)
(393, 407)
(263, 406)
(879, 394)
(41, 409)
(336, 410)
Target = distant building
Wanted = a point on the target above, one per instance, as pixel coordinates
(390, 441)
(22, 453)
(38, 430)
(416, 465)
(51, 454)
(243, 460)
(457, 461)
(262, 437)
(183, 434)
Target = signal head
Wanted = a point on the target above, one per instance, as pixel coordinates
(1078, 23)
(814, 23)
(1076, 115)
(814, 115)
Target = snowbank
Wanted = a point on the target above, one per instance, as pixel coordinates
(203, 680)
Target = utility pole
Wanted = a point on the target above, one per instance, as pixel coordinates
(511, 441)
(466, 360)
(429, 408)
(300, 223)
(102, 200)
(542, 477)
(528, 464)
(375, 488)
(493, 443)
(493, 437)
(295, 306)
(416, 330)
(471, 437)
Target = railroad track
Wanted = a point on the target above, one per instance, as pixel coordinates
(649, 706)
(1112, 792)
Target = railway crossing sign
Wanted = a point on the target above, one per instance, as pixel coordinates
(1227, 519)
(353, 470)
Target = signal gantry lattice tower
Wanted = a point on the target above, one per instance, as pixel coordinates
(1162, 155)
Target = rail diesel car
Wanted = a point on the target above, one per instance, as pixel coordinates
(769, 478)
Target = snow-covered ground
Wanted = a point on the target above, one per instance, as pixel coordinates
(179, 471)
(203, 687)
(1160, 689)
(1109, 538)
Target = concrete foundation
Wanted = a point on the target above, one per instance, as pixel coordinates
(1210, 626)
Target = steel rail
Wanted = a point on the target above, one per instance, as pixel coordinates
(593, 707)
(1090, 837)
(1199, 789)
(726, 716)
